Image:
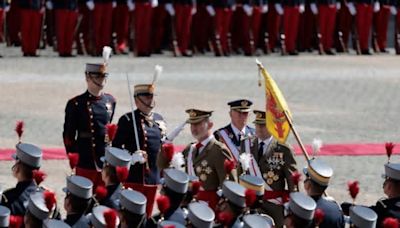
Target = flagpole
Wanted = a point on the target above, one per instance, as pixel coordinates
(303, 149)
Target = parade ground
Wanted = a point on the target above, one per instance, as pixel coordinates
(342, 99)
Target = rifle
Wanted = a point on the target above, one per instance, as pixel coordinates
(340, 36)
(355, 39)
(375, 45)
(397, 36)
(177, 52)
(319, 36)
(43, 36)
(76, 30)
(218, 51)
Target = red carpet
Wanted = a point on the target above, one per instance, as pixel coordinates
(367, 149)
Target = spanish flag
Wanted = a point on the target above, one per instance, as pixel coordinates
(276, 106)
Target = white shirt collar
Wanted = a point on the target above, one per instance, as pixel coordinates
(205, 142)
(237, 131)
(266, 142)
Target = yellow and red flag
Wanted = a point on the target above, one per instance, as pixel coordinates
(276, 106)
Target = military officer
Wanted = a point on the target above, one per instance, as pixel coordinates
(255, 220)
(232, 201)
(276, 164)
(28, 158)
(114, 159)
(364, 217)
(389, 207)
(86, 116)
(291, 14)
(151, 129)
(318, 175)
(300, 211)
(98, 215)
(76, 202)
(233, 134)
(205, 158)
(256, 184)
(365, 9)
(381, 22)
(175, 187)
(40, 208)
(66, 17)
(200, 215)
(31, 13)
(132, 209)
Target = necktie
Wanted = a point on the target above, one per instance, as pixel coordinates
(261, 150)
(198, 146)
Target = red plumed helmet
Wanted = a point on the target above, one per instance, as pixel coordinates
(250, 196)
(38, 176)
(196, 187)
(16, 221)
(110, 217)
(49, 199)
(353, 189)
(163, 203)
(73, 159)
(225, 218)
(296, 177)
(390, 223)
(168, 150)
(122, 173)
(101, 192)
(389, 149)
(229, 165)
(19, 128)
(111, 131)
(319, 216)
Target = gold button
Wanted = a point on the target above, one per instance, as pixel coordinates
(94, 144)
(91, 124)
(92, 138)
(91, 116)
(90, 110)
(88, 103)
(92, 131)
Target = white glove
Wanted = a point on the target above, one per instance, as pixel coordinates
(131, 5)
(248, 10)
(314, 8)
(278, 8)
(377, 7)
(7, 8)
(210, 10)
(338, 5)
(154, 3)
(49, 5)
(352, 9)
(264, 8)
(194, 10)
(170, 9)
(138, 157)
(393, 10)
(114, 4)
(90, 5)
(302, 8)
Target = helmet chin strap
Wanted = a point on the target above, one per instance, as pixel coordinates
(96, 83)
(152, 105)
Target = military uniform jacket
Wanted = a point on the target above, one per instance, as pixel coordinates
(65, 4)
(112, 198)
(150, 130)
(16, 199)
(77, 221)
(333, 213)
(209, 164)
(276, 165)
(84, 128)
(31, 4)
(387, 208)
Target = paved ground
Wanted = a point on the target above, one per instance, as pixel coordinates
(340, 99)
